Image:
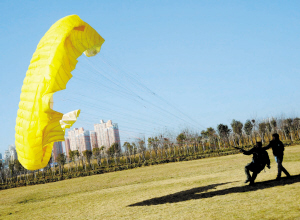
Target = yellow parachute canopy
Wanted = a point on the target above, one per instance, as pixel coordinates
(38, 126)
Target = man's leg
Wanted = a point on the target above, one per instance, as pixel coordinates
(283, 169)
(247, 168)
(254, 175)
(278, 160)
(256, 170)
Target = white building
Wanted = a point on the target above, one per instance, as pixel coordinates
(94, 142)
(107, 133)
(73, 136)
(13, 152)
(85, 141)
(6, 156)
(79, 139)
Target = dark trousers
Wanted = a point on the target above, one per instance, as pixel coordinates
(279, 160)
(251, 167)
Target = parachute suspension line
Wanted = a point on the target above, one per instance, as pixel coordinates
(125, 120)
(126, 116)
(165, 111)
(110, 79)
(94, 105)
(99, 79)
(90, 122)
(97, 82)
(159, 108)
(128, 131)
(149, 90)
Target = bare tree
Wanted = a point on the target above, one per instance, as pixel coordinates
(96, 153)
(141, 148)
(262, 130)
(128, 148)
(274, 125)
(237, 128)
(248, 129)
(88, 155)
(224, 132)
(153, 142)
(61, 160)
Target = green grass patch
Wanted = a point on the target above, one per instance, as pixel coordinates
(210, 188)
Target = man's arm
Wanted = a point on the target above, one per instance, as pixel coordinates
(268, 146)
(249, 152)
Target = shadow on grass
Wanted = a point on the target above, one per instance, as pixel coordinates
(200, 192)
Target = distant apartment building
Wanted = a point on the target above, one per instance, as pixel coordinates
(67, 146)
(93, 136)
(0, 156)
(12, 152)
(73, 136)
(79, 139)
(57, 149)
(6, 156)
(107, 133)
(84, 141)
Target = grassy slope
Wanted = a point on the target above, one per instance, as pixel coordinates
(209, 188)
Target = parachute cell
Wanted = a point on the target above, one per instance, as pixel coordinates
(38, 126)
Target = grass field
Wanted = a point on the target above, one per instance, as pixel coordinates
(210, 188)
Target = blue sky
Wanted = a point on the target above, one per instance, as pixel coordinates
(214, 60)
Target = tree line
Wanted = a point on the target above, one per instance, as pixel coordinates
(162, 148)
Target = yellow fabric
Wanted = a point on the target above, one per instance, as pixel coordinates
(69, 119)
(37, 124)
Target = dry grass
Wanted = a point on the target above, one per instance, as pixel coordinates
(210, 188)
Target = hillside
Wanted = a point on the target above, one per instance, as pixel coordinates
(210, 188)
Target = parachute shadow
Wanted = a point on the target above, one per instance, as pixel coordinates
(200, 192)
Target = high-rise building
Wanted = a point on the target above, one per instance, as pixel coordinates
(0, 156)
(73, 136)
(113, 133)
(107, 133)
(57, 149)
(79, 139)
(94, 142)
(13, 152)
(67, 146)
(6, 156)
(84, 141)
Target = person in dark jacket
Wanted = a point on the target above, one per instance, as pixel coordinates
(277, 148)
(259, 161)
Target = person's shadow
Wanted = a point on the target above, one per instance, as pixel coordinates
(201, 192)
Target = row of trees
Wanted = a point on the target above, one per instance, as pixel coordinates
(251, 131)
(162, 147)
